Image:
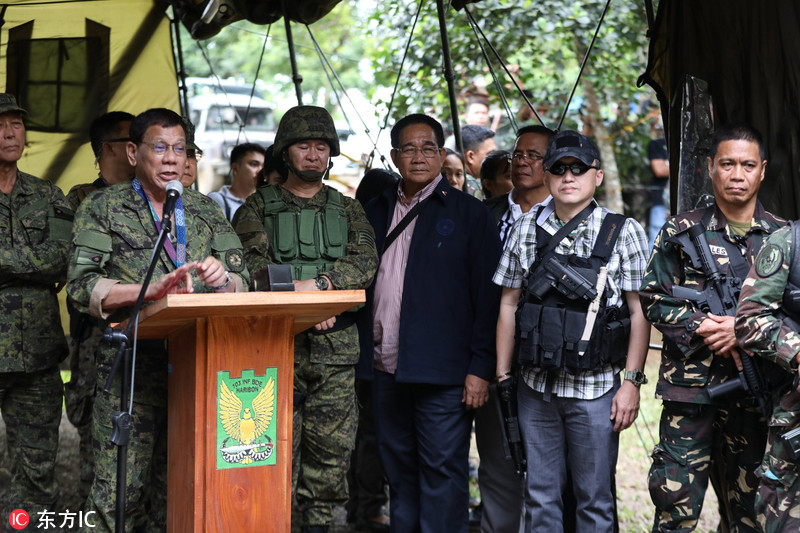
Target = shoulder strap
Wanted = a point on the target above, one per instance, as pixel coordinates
(398, 229)
(546, 248)
(607, 237)
(335, 197)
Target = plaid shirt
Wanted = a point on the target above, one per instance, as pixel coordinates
(625, 272)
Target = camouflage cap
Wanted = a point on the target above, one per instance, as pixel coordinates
(189, 127)
(8, 103)
(303, 123)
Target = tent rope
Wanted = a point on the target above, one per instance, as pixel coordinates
(505, 67)
(583, 64)
(330, 71)
(498, 85)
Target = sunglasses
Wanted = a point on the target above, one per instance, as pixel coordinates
(577, 169)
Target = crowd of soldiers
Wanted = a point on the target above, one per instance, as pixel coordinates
(528, 315)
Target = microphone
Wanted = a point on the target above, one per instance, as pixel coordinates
(174, 191)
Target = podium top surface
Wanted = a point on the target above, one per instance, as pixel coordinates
(308, 308)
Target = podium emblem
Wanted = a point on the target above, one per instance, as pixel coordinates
(245, 419)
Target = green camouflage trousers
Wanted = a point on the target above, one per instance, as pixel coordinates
(31, 407)
(146, 500)
(323, 430)
(79, 399)
(691, 437)
(778, 499)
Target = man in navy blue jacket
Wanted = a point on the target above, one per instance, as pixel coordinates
(435, 311)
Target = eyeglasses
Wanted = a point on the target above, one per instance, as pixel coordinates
(194, 153)
(161, 148)
(520, 157)
(119, 140)
(411, 151)
(577, 169)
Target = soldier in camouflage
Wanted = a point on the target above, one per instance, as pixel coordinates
(327, 240)
(108, 136)
(766, 327)
(35, 222)
(697, 433)
(114, 234)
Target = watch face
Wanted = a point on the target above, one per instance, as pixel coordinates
(322, 284)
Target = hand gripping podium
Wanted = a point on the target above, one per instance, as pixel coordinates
(230, 403)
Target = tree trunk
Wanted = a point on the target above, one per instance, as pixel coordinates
(605, 145)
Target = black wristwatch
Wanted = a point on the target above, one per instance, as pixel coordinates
(322, 283)
(637, 377)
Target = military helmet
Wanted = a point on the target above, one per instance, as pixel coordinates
(306, 122)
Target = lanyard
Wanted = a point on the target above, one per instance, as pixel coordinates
(178, 258)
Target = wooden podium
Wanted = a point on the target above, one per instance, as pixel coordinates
(218, 482)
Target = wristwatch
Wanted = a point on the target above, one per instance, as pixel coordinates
(228, 281)
(322, 283)
(637, 377)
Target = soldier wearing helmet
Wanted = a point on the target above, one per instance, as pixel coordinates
(326, 239)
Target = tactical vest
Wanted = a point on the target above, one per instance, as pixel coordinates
(550, 326)
(308, 240)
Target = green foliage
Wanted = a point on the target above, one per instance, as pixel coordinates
(236, 50)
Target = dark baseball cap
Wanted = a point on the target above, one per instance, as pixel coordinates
(9, 103)
(570, 143)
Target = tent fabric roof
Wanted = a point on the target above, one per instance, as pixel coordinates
(750, 57)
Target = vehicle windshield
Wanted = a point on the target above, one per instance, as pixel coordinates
(226, 118)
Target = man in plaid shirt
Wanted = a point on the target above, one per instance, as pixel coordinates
(568, 415)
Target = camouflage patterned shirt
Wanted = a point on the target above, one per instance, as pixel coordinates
(79, 192)
(687, 366)
(114, 235)
(35, 223)
(354, 270)
(759, 327)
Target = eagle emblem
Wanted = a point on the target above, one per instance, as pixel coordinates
(246, 426)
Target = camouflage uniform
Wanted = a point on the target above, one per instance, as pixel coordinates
(85, 336)
(325, 419)
(35, 222)
(697, 434)
(114, 235)
(763, 333)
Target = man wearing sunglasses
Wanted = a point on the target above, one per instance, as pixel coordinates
(699, 435)
(576, 331)
(109, 137)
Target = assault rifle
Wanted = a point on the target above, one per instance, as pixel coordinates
(506, 401)
(720, 297)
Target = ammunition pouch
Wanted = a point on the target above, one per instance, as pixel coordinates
(308, 240)
(549, 337)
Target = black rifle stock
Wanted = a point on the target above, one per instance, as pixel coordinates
(506, 401)
(720, 297)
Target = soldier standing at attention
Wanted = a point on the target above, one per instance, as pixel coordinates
(109, 137)
(768, 326)
(697, 432)
(35, 223)
(326, 239)
(114, 234)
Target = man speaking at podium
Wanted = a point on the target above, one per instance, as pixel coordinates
(114, 234)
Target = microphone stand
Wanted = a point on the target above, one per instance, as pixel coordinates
(121, 420)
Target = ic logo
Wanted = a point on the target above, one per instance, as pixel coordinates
(18, 519)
